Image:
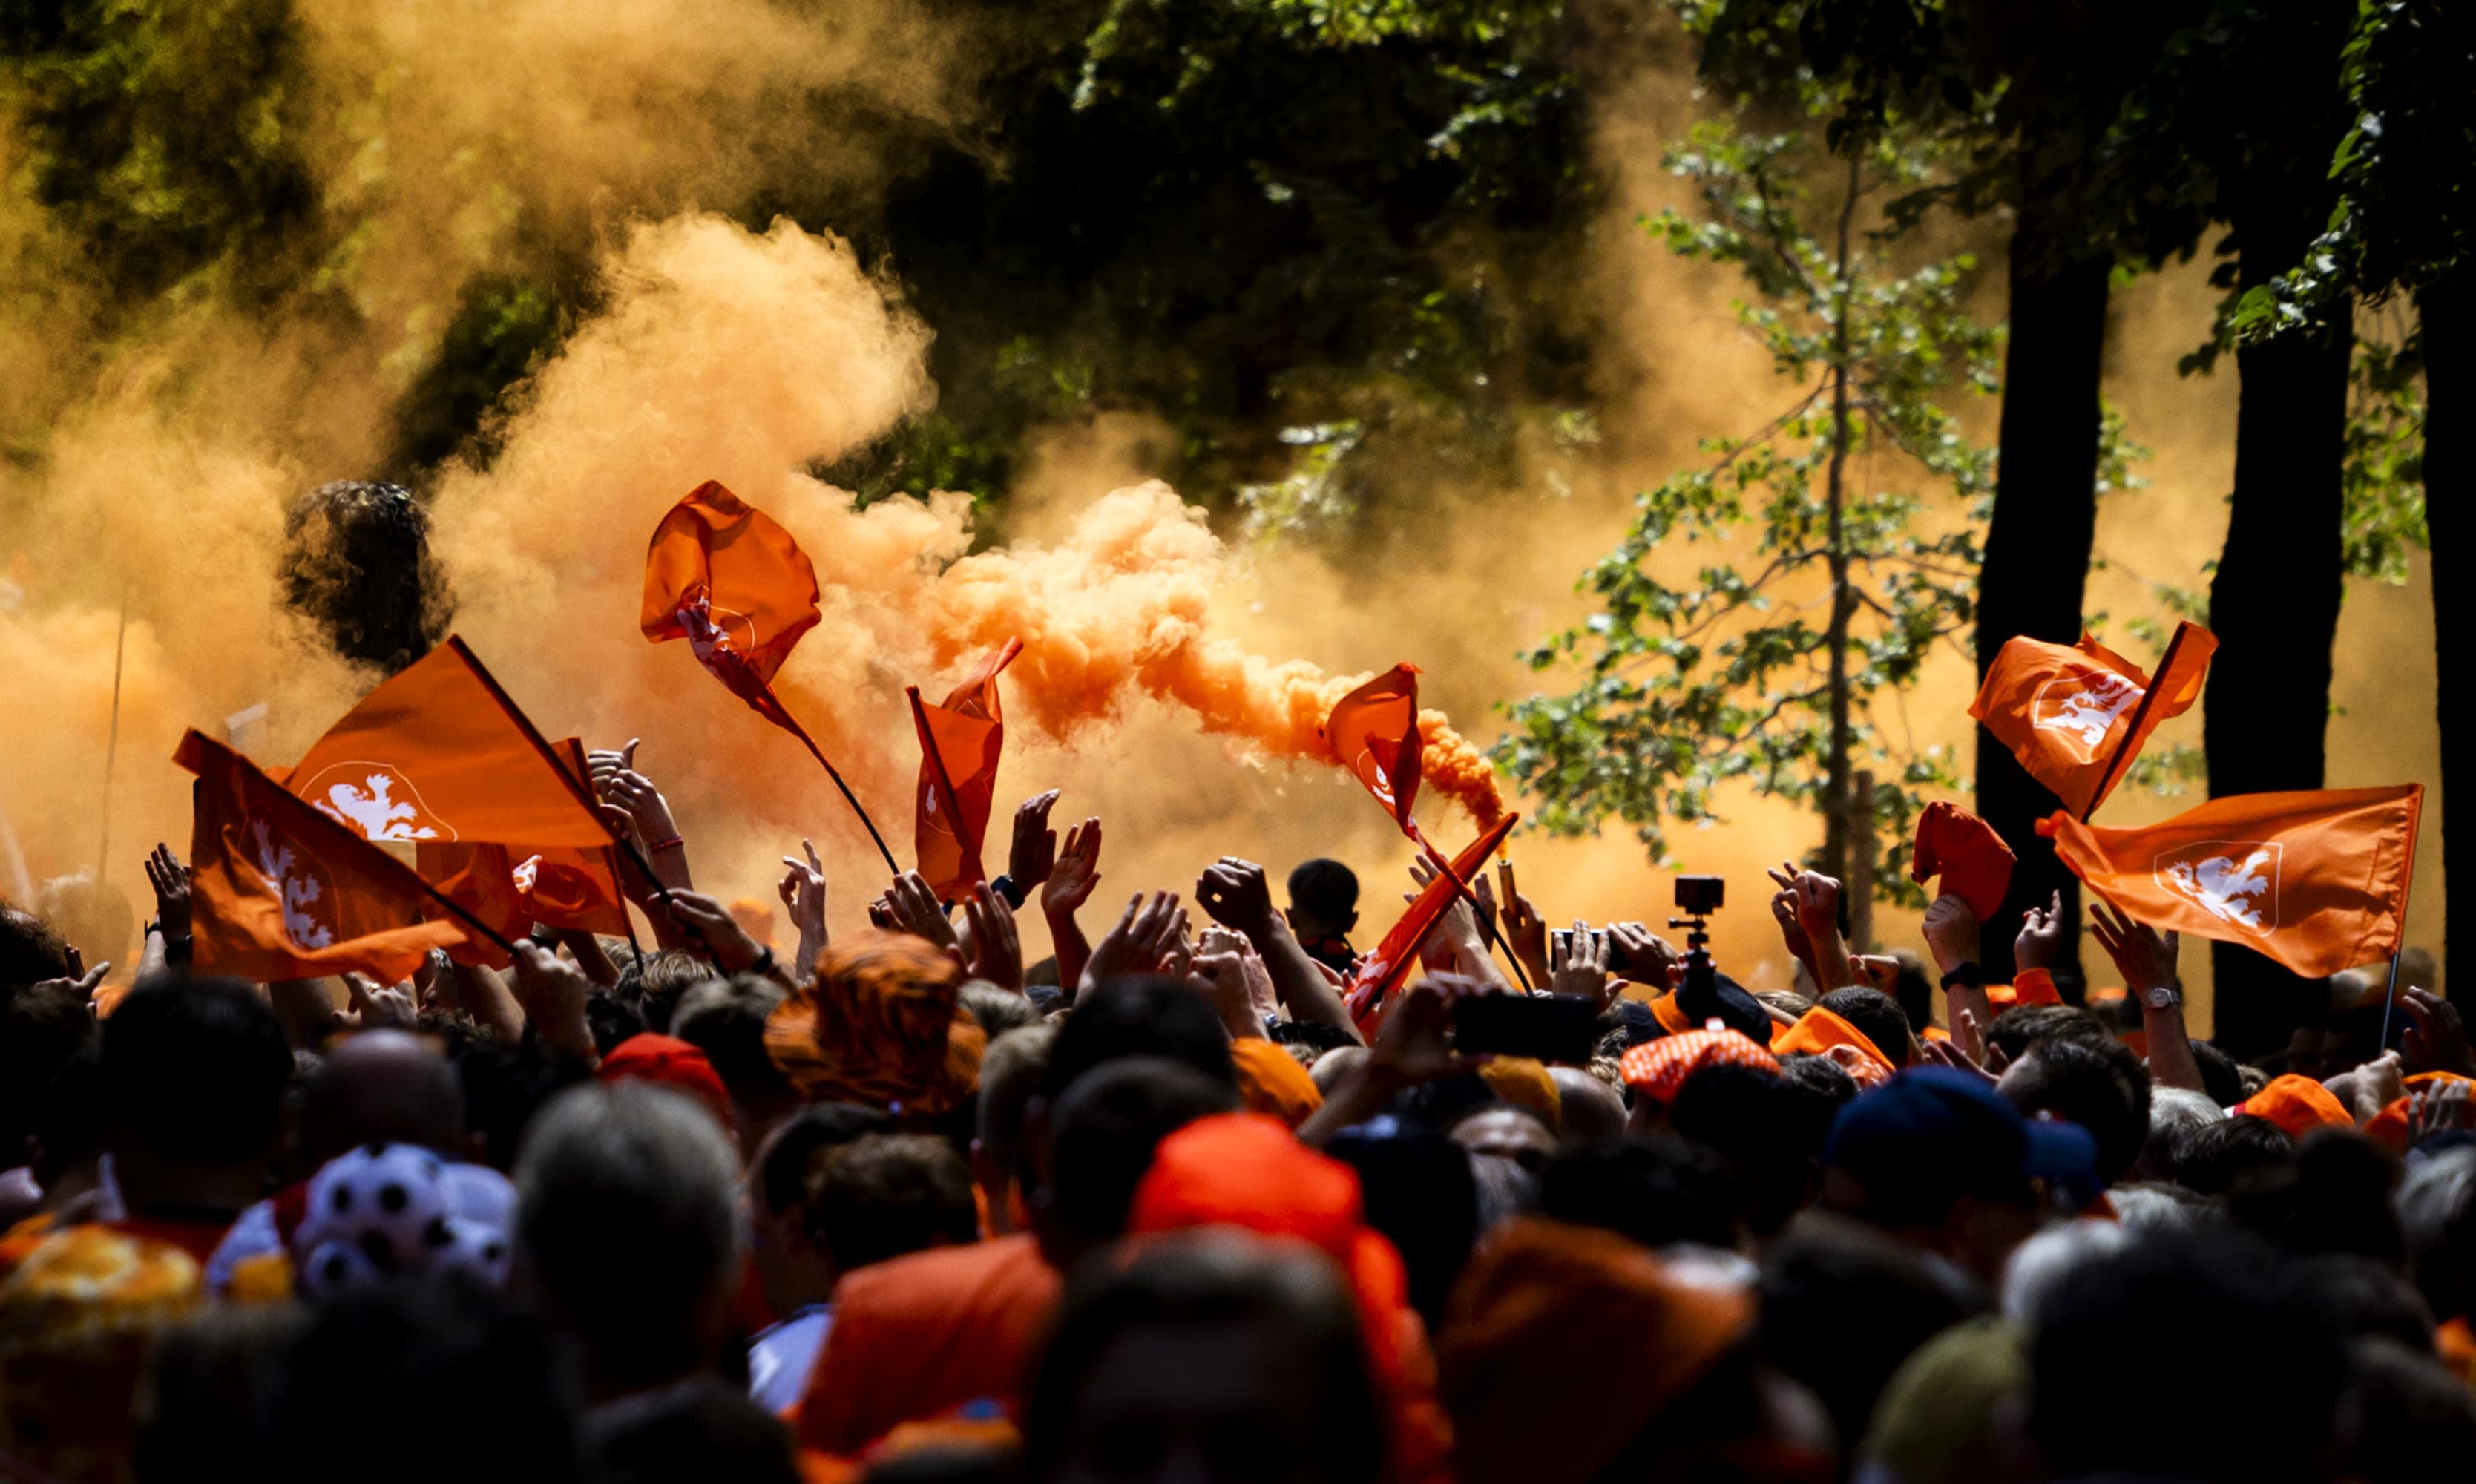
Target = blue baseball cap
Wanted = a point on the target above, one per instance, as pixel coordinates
(1933, 1134)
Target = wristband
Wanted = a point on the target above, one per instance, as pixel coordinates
(669, 842)
(1971, 975)
(1005, 888)
(764, 963)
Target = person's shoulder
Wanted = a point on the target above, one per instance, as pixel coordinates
(941, 1274)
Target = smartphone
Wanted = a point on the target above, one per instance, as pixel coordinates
(1564, 940)
(1545, 1027)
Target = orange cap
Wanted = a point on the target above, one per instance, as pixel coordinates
(1659, 1070)
(2297, 1104)
(1671, 1015)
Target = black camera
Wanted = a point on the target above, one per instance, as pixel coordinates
(1700, 895)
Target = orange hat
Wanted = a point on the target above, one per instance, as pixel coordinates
(2297, 1104)
(1671, 1015)
(1564, 1342)
(1658, 1070)
(1271, 1082)
(1525, 1084)
(882, 1026)
(1818, 1030)
(673, 1063)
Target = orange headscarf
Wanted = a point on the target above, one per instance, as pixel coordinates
(881, 1025)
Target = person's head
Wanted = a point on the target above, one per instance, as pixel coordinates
(725, 1019)
(1507, 1133)
(382, 1087)
(2437, 1208)
(2096, 1082)
(1137, 1017)
(2175, 1114)
(1845, 1305)
(1101, 1134)
(1324, 900)
(700, 1428)
(31, 950)
(2014, 1030)
(1420, 1193)
(39, 1031)
(1877, 1016)
(505, 1086)
(880, 1023)
(887, 1195)
(2411, 1412)
(611, 1020)
(655, 984)
(1010, 1074)
(1770, 1131)
(2221, 1075)
(627, 1226)
(1656, 1191)
(1205, 1357)
(2333, 1199)
(194, 1072)
(998, 1010)
(2239, 1326)
(1588, 1109)
(789, 1265)
(1334, 1065)
(436, 1349)
(1938, 1159)
(2214, 1158)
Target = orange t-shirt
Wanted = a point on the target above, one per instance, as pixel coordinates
(921, 1335)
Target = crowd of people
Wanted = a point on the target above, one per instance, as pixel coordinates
(893, 1204)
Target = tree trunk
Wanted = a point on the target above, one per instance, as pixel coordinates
(1844, 600)
(2037, 539)
(2448, 311)
(2274, 603)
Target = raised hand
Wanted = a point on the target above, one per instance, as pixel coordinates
(2042, 936)
(1221, 978)
(711, 924)
(1950, 931)
(1641, 955)
(2143, 954)
(996, 953)
(1582, 969)
(917, 911)
(2438, 1108)
(1074, 874)
(803, 898)
(1236, 894)
(2438, 1039)
(1525, 931)
(171, 882)
(377, 1006)
(1142, 941)
(552, 992)
(1034, 852)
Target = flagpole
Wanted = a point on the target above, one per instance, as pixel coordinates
(2139, 713)
(850, 797)
(937, 770)
(2390, 996)
(1486, 921)
(111, 742)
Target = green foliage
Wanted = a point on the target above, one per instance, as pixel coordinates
(1690, 681)
(2385, 460)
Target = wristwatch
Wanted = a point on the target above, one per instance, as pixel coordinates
(1971, 974)
(1005, 888)
(2162, 996)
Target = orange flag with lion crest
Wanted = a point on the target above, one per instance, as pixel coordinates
(2078, 714)
(2316, 880)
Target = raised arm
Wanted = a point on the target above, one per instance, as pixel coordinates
(2145, 957)
(1236, 894)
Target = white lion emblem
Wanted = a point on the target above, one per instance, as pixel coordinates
(369, 807)
(2088, 711)
(297, 890)
(709, 628)
(527, 872)
(1379, 778)
(2240, 886)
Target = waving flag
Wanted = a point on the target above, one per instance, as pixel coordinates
(281, 891)
(959, 742)
(438, 754)
(727, 578)
(2317, 881)
(2077, 715)
(1385, 969)
(511, 887)
(1967, 852)
(1373, 731)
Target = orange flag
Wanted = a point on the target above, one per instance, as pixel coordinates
(2316, 880)
(513, 887)
(440, 754)
(1373, 731)
(1967, 852)
(959, 742)
(727, 578)
(2077, 715)
(1389, 965)
(280, 891)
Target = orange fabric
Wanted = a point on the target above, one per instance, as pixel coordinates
(2137, 1040)
(1524, 1083)
(959, 742)
(1659, 1070)
(2455, 1344)
(1564, 1342)
(1271, 1082)
(2073, 715)
(2297, 1104)
(511, 887)
(918, 1336)
(1373, 733)
(1967, 852)
(1671, 1015)
(2316, 880)
(77, 1319)
(667, 1061)
(2034, 986)
(2001, 996)
(1818, 1030)
(1382, 972)
(882, 1024)
(439, 753)
(727, 578)
(1934, 1034)
(1245, 1171)
(2390, 1125)
(280, 891)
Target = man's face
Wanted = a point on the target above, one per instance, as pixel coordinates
(1510, 1133)
(1195, 1404)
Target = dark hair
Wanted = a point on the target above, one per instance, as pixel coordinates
(196, 1068)
(1445, 1101)
(2021, 1027)
(1138, 1017)
(1655, 1190)
(654, 984)
(505, 1086)
(1913, 989)
(611, 1020)
(438, 1346)
(1418, 1189)
(1312, 1033)
(1327, 889)
(2220, 1076)
(700, 1428)
(2098, 1084)
(202, 1406)
(2211, 1160)
(2334, 1198)
(68, 1123)
(357, 564)
(886, 1194)
(2236, 1323)
(2372, 1300)
(1770, 1129)
(998, 1010)
(39, 1031)
(1213, 1279)
(781, 1176)
(1876, 1014)
(729, 1028)
(29, 950)
(2412, 1412)
(1103, 1132)
(1843, 1305)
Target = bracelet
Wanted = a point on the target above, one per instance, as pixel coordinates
(671, 843)
(1005, 888)
(1969, 974)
